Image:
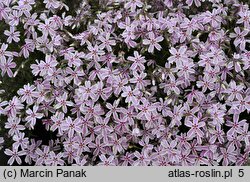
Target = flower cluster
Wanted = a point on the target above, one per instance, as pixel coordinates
(126, 82)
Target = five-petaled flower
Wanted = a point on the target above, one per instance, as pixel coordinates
(153, 42)
(196, 128)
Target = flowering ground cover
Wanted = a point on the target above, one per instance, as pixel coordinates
(124, 82)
